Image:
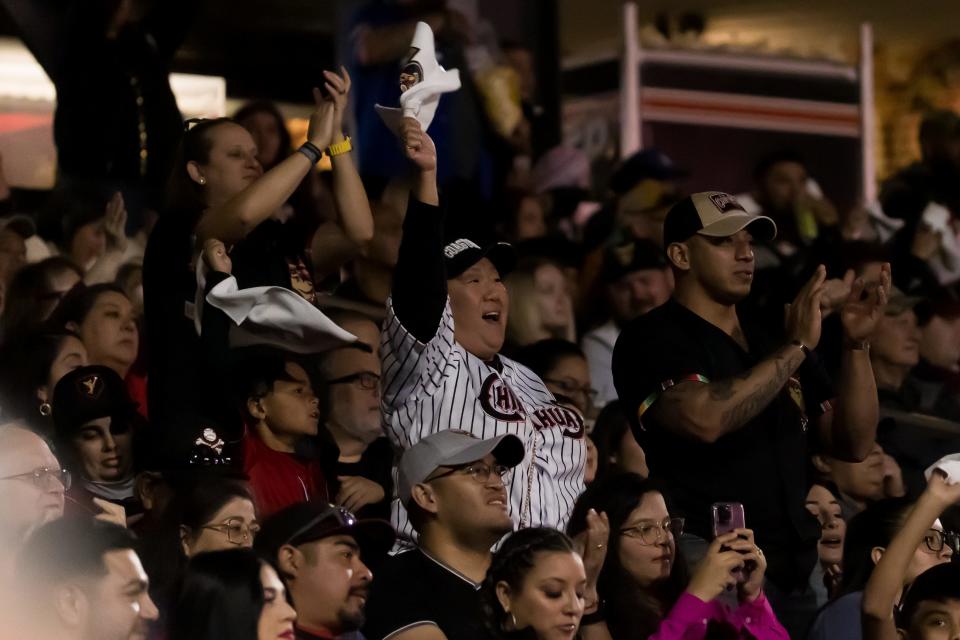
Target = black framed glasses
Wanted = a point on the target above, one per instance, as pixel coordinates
(935, 540)
(367, 379)
(479, 471)
(236, 529)
(41, 477)
(570, 387)
(652, 532)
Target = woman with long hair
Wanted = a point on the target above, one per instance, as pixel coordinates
(540, 304)
(534, 587)
(643, 582)
(231, 595)
(220, 192)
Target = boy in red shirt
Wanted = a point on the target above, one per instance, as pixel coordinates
(282, 414)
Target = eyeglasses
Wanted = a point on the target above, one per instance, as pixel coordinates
(936, 540)
(40, 477)
(569, 386)
(479, 471)
(236, 529)
(650, 532)
(367, 380)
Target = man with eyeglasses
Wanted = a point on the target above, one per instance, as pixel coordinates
(322, 551)
(352, 377)
(453, 487)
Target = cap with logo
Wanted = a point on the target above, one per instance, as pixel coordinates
(463, 253)
(189, 446)
(307, 522)
(715, 214)
(629, 256)
(89, 393)
(452, 448)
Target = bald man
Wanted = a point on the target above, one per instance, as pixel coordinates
(31, 490)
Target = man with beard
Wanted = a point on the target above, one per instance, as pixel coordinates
(80, 579)
(319, 550)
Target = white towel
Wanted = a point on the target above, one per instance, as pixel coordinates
(950, 465)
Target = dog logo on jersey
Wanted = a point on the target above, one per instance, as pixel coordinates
(725, 202)
(499, 401)
(91, 386)
(557, 417)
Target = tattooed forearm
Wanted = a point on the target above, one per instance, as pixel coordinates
(762, 395)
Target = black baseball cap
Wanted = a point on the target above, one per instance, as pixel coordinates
(307, 522)
(643, 165)
(21, 224)
(189, 446)
(715, 214)
(629, 256)
(89, 393)
(463, 253)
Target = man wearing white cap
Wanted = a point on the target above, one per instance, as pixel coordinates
(722, 411)
(453, 486)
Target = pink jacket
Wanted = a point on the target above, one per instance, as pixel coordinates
(689, 617)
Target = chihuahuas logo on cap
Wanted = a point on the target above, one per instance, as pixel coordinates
(458, 246)
(499, 401)
(725, 202)
(91, 386)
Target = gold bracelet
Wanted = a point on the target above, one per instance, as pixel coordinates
(340, 148)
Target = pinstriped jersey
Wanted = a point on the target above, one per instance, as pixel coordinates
(439, 385)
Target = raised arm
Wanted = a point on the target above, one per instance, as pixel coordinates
(886, 582)
(419, 282)
(353, 208)
(232, 220)
(849, 431)
(708, 411)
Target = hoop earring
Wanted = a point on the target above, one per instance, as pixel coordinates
(46, 409)
(511, 624)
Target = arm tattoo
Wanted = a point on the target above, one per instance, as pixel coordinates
(758, 399)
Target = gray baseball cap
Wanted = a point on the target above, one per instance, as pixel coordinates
(452, 448)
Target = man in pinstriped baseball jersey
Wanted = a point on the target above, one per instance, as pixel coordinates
(446, 321)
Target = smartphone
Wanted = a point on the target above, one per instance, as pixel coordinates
(727, 516)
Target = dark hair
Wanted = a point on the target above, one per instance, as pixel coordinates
(511, 564)
(69, 209)
(257, 370)
(77, 304)
(874, 527)
(183, 194)
(25, 362)
(250, 109)
(936, 584)
(768, 161)
(71, 547)
(221, 597)
(631, 611)
(196, 506)
(544, 355)
(608, 432)
(29, 295)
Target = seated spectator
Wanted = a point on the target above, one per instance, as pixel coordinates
(32, 486)
(81, 579)
(937, 376)
(636, 278)
(822, 501)
(643, 581)
(219, 191)
(351, 376)
(868, 535)
(563, 368)
(281, 411)
(449, 306)
(35, 292)
(884, 589)
(859, 483)
(452, 484)
(95, 422)
(617, 448)
(540, 305)
(530, 564)
(103, 318)
(30, 368)
(320, 551)
(231, 594)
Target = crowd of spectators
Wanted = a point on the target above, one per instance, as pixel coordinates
(453, 387)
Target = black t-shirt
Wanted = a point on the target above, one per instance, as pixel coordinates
(413, 589)
(375, 464)
(761, 465)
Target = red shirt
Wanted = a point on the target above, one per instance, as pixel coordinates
(279, 479)
(136, 384)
